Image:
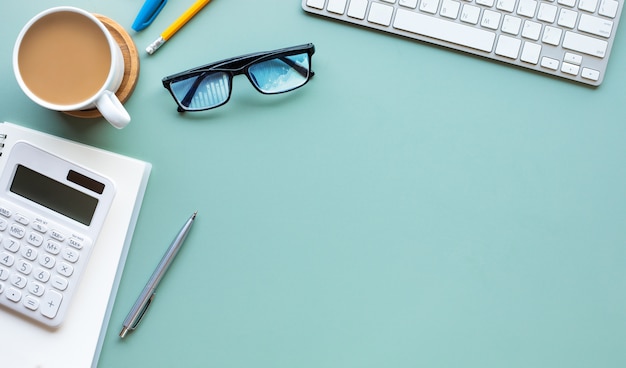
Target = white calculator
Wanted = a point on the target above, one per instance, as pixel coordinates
(51, 212)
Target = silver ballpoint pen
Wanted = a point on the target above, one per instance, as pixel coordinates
(145, 298)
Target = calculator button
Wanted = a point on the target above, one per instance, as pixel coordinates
(50, 303)
(24, 267)
(42, 275)
(46, 261)
(1, 287)
(59, 282)
(35, 239)
(29, 253)
(70, 255)
(35, 288)
(53, 247)
(57, 235)
(76, 243)
(14, 295)
(31, 303)
(21, 219)
(39, 226)
(17, 231)
(6, 259)
(18, 280)
(4, 274)
(3, 224)
(5, 212)
(11, 244)
(65, 269)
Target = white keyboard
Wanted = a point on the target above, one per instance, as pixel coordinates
(571, 39)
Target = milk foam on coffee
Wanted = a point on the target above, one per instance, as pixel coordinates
(64, 58)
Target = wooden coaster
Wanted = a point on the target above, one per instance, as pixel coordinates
(131, 66)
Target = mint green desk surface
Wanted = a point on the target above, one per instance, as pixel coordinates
(410, 207)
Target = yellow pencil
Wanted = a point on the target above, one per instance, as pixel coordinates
(178, 24)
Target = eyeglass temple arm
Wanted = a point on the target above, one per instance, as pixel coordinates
(192, 91)
(297, 67)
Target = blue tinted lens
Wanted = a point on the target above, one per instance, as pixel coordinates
(202, 92)
(281, 74)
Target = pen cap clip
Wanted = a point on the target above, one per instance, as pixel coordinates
(143, 311)
(147, 14)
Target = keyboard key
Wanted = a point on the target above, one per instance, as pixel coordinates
(470, 14)
(380, 14)
(590, 74)
(567, 18)
(547, 13)
(506, 5)
(531, 30)
(408, 3)
(491, 20)
(549, 63)
(570, 68)
(531, 53)
(573, 58)
(594, 25)
(317, 4)
(444, 30)
(569, 3)
(450, 9)
(588, 5)
(429, 6)
(527, 8)
(511, 25)
(552, 36)
(336, 6)
(586, 45)
(608, 8)
(357, 9)
(508, 46)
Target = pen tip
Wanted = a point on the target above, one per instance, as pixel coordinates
(194, 215)
(123, 332)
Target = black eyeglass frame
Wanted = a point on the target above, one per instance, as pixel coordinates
(240, 65)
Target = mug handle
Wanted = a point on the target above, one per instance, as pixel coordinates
(112, 110)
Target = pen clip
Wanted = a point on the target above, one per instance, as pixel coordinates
(147, 14)
(143, 311)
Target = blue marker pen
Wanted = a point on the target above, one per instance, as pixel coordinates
(148, 12)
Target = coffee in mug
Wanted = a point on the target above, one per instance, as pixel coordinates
(66, 60)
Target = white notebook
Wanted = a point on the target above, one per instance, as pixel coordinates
(78, 340)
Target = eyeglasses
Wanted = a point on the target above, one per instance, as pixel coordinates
(270, 72)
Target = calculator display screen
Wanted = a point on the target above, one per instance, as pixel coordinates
(54, 195)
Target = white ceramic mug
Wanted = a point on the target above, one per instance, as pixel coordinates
(52, 78)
